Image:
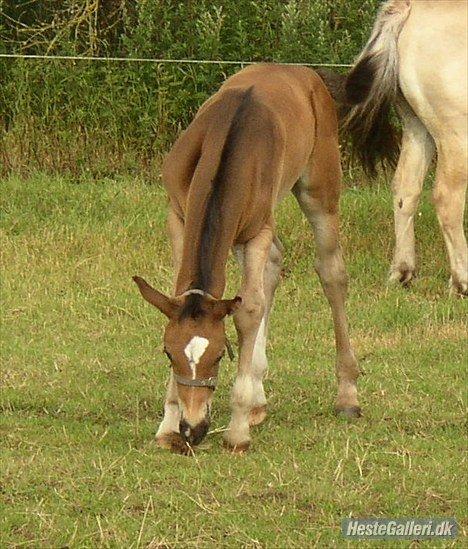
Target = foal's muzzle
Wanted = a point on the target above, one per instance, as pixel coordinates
(193, 435)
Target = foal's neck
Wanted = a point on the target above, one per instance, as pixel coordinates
(189, 276)
(205, 272)
(216, 200)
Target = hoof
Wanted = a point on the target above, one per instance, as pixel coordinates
(349, 412)
(175, 443)
(165, 441)
(402, 274)
(257, 415)
(458, 288)
(240, 448)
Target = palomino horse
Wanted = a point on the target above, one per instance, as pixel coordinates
(416, 58)
(270, 129)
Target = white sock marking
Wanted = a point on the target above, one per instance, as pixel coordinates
(194, 351)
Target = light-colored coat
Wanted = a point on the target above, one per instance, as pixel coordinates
(416, 58)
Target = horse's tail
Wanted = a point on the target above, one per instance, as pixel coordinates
(372, 86)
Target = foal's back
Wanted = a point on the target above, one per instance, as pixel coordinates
(299, 103)
(288, 109)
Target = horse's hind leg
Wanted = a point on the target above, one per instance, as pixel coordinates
(416, 154)
(449, 199)
(318, 194)
(271, 278)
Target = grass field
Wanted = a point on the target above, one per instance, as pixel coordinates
(83, 382)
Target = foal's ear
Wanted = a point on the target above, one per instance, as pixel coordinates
(159, 300)
(226, 307)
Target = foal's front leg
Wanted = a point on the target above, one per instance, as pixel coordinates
(248, 319)
(271, 279)
(170, 423)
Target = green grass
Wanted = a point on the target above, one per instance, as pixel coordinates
(83, 384)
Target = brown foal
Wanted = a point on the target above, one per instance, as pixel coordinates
(270, 129)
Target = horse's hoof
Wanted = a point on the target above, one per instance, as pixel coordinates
(349, 412)
(175, 443)
(240, 448)
(402, 274)
(165, 441)
(458, 288)
(257, 415)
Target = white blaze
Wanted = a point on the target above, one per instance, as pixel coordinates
(194, 351)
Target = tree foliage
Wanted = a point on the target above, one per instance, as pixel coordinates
(111, 117)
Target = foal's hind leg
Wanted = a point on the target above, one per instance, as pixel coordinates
(318, 194)
(416, 153)
(271, 278)
(449, 199)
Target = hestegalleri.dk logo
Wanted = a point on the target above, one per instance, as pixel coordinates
(408, 528)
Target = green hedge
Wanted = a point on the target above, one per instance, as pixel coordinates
(115, 117)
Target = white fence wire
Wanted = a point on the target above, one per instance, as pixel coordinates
(159, 60)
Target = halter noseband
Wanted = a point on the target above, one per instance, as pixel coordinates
(208, 381)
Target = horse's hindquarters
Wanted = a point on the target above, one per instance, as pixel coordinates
(433, 76)
(433, 66)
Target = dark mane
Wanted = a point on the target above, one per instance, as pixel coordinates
(192, 307)
(212, 218)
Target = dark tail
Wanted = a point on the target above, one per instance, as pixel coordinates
(366, 95)
(373, 135)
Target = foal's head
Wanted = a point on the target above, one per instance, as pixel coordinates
(194, 343)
